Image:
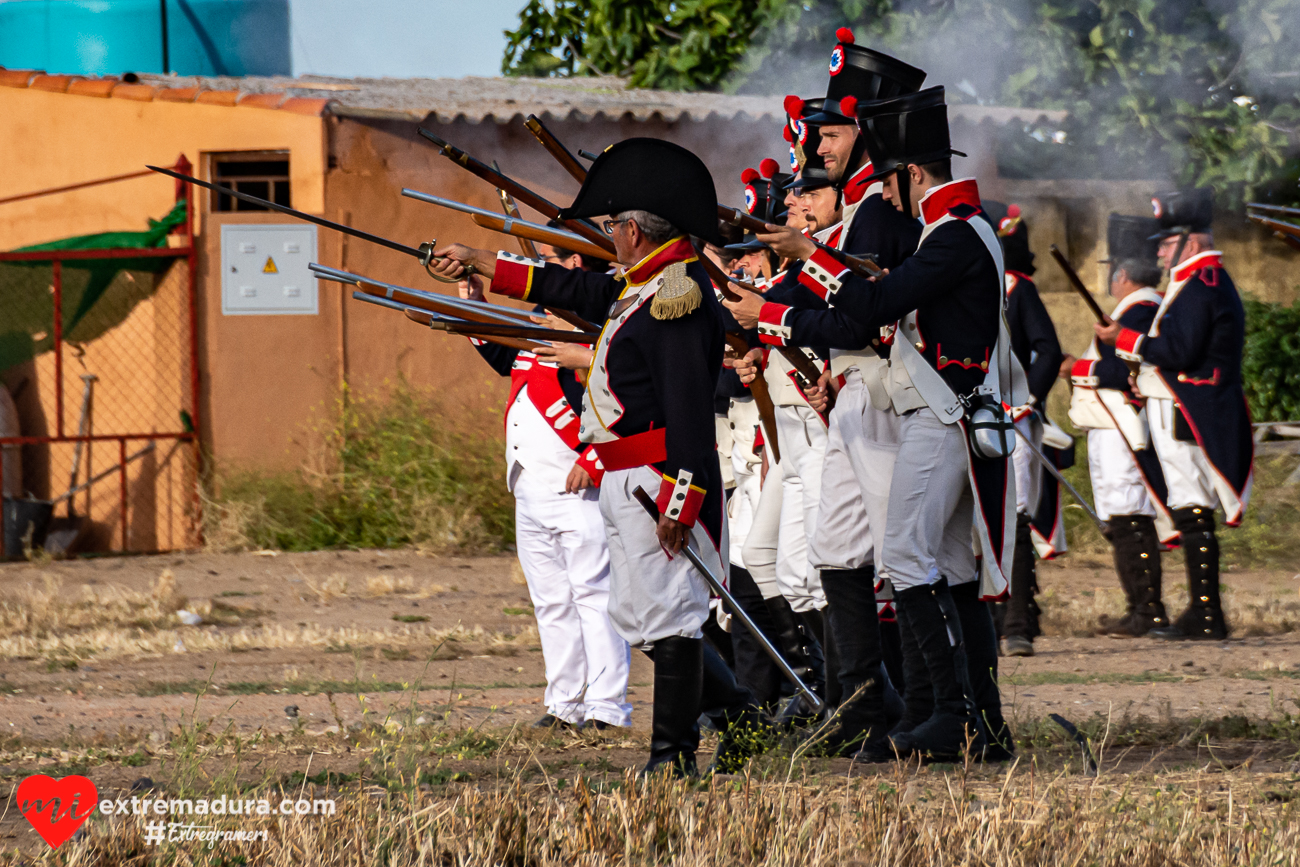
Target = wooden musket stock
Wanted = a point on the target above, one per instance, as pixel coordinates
(555, 148)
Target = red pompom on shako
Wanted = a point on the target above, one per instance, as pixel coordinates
(844, 35)
(849, 106)
(793, 106)
(768, 168)
(748, 176)
(1013, 211)
(787, 134)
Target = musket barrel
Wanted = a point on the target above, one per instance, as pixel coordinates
(571, 240)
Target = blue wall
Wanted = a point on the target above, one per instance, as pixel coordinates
(109, 37)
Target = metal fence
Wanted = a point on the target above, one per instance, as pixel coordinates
(99, 349)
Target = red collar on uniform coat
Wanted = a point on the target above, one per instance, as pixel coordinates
(856, 188)
(938, 201)
(676, 250)
(1201, 261)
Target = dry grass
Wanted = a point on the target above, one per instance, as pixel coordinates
(901, 817)
(46, 620)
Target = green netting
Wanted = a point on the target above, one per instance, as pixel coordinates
(98, 294)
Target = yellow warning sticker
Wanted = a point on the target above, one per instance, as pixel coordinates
(269, 267)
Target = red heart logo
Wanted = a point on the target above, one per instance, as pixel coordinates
(57, 808)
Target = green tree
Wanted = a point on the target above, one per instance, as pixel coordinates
(666, 44)
(1200, 91)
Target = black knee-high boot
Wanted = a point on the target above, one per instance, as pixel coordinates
(1020, 624)
(755, 670)
(891, 651)
(732, 711)
(1137, 562)
(814, 623)
(930, 615)
(679, 678)
(1203, 619)
(860, 721)
(797, 644)
(982, 665)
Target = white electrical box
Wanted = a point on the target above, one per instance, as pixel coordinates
(264, 269)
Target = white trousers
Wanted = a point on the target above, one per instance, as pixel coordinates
(742, 506)
(931, 506)
(862, 443)
(1117, 487)
(803, 439)
(760, 552)
(1028, 470)
(653, 596)
(1187, 472)
(561, 544)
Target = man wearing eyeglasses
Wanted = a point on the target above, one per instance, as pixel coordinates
(649, 413)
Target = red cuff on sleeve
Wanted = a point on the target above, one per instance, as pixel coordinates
(590, 462)
(513, 278)
(679, 499)
(1083, 373)
(823, 274)
(772, 328)
(1128, 345)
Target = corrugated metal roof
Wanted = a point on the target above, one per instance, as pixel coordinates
(471, 99)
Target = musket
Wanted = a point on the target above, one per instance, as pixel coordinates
(814, 701)
(1288, 232)
(433, 321)
(424, 252)
(802, 364)
(519, 228)
(555, 148)
(548, 209)
(1277, 209)
(478, 323)
(464, 306)
(1056, 473)
(512, 210)
(749, 223)
(1077, 284)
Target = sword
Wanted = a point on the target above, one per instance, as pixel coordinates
(1051, 468)
(811, 697)
(424, 252)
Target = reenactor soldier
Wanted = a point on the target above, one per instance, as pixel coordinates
(946, 381)
(1128, 487)
(649, 413)
(862, 439)
(560, 536)
(1035, 345)
(1191, 377)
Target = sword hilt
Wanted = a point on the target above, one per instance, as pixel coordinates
(427, 257)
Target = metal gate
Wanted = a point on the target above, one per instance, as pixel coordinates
(107, 392)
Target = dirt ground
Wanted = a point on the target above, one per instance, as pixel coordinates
(300, 649)
(43, 702)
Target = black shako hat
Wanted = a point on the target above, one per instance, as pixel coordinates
(1130, 237)
(1013, 232)
(909, 129)
(653, 175)
(861, 73)
(1183, 211)
(806, 138)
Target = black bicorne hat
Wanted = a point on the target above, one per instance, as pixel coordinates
(805, 139)
(1184, 211)
(909, 129)
(653, 175)
(1013, 232)
(864, 74)
(1130, 237)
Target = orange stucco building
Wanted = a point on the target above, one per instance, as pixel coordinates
(342, 149)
